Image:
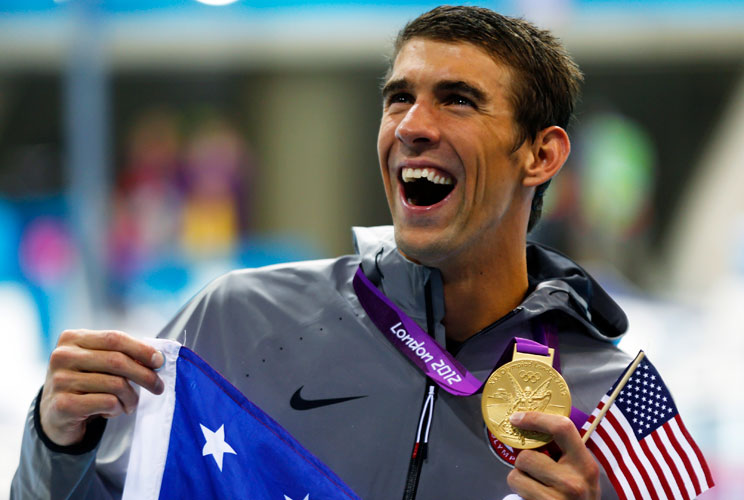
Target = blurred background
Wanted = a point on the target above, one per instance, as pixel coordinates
(147, 146)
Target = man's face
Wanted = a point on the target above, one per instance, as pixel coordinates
(452, 182)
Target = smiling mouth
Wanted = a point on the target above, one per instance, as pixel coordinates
(423, 187)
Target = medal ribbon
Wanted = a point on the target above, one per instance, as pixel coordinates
(413, 341)
(423, 351)
(431, 358)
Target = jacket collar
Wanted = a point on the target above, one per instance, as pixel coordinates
(559, 285)
(401, 280)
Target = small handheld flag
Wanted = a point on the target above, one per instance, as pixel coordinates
(641, 441)
(202, 438)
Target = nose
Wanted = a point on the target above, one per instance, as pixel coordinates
(418, 127)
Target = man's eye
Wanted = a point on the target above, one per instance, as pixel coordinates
(459, 100)
(399, 98)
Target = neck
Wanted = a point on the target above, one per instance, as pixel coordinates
(483, 290)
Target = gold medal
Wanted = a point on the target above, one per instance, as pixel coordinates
(527, 383)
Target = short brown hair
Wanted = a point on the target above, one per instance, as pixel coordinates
(547, 81)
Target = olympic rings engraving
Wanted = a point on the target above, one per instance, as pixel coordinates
(529, 376)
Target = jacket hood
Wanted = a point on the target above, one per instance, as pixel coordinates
(550, 269)
(556, 282)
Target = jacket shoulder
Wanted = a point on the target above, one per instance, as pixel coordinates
(332, 273)
(263, 298)
(590, 367)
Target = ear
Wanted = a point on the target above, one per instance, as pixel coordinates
(550, 150)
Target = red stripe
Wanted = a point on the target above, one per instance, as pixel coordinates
(590, 420)
(672, 466)
(655, 464)
(685, 459)
(698, 453)
(633, 456)
(618, 456)
(583, 431)
(608, 469)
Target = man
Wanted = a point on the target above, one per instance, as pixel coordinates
(474, 111)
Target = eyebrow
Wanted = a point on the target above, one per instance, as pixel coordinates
(393, 86)
(459, 86)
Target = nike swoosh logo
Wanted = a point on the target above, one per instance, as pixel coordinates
(297, 402)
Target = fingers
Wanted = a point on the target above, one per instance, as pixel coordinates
(113, 353)
(561, 428)
(89, 374)
(72, 382)
(526, 487)
(536, 475)
(79, 407)
(115, 341)
(563, 479)
(73, 358)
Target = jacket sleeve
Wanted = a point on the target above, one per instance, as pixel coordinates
(93, 469)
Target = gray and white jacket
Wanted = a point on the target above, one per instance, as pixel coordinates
(274, 330)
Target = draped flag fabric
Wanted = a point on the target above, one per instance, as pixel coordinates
(203, 439)
(643, 445)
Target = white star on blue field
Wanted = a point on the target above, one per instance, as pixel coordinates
(216, 445)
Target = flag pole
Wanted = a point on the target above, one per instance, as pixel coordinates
(613, 396)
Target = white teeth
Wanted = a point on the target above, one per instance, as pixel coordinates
(410, 174)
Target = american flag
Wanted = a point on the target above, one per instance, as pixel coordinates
(643, 445)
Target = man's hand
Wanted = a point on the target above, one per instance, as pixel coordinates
(536, 476)
(88, 375)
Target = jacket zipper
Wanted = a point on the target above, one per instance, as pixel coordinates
(421, 444)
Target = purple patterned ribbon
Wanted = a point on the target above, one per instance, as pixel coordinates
(426, 353)
(413, 341)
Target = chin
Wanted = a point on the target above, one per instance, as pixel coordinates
(421, 249)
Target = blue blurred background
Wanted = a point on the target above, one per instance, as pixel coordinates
(148, 146)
